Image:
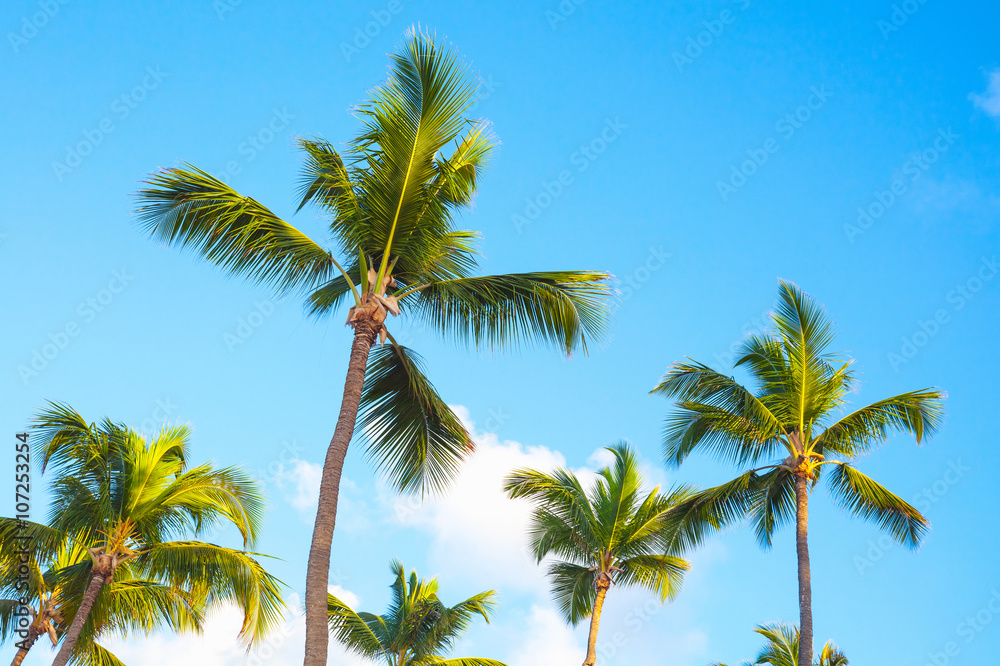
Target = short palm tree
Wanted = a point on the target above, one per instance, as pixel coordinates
(782, 648)
(791, 421)
(391, 199)
(418, 630)
(125, 499)
(52, 597)
(614, 534)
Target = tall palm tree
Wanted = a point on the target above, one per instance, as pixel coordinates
(418, 630)
(52, 597)
(791, 421)
(125, 499)
(782, 649)
(614, 534)
(390, 199)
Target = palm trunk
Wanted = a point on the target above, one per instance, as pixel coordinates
(34, 632)
(318, 571)
(97, 581)
(595, 623)
(805, 585)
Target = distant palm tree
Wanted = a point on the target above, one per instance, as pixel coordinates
(418, 630)
(782, 649)
(126, 604)
(124, 499)
(614, 534)
(793, 413)
(390, 199)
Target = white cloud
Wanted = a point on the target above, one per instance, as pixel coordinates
(217, 646)
(352, 600)
(989, 101)
(547, 640)
(299, 481)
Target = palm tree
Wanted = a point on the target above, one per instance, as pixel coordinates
(52, 597)
(124, 499)
(418, 629)
(613, 534)
(789, 421)
(782, 648)
(390, 200)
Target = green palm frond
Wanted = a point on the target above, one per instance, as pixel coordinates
(782, 648)
(96, 655)
(774, 504)
(661, 574)
(864, 497)
(351, 630)
(573, 590)
(190, 208)
(918, 412)
(568, 309)
(220, 574)
(414, 438)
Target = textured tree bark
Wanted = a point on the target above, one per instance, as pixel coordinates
(805, 584)
(34, 631)
(595, 623)
(318, 571)
(97, 580)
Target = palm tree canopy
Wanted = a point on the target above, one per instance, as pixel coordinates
(128, 605)
(417, 630)
(782, 648)
(391, 198)
(136, 498)
(791, 423)
(614, 529)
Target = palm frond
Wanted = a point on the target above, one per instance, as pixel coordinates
(351, 630)
(569, 309)
(864, 497)
(190, 208)
(918, 412)
(413, 436)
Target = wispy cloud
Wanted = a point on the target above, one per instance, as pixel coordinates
(989, 101)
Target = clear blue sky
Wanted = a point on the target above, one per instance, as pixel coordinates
(652, 110)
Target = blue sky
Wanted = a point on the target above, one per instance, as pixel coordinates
(698, 151)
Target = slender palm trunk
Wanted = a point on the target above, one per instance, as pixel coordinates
(318, 571)
(34, 631)
(595, 623)
(805, 585)
(97, 580)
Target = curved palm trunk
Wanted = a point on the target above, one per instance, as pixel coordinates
(595, 623)
(97, 581)
(34, 631)
(318, 571)
(805, 585)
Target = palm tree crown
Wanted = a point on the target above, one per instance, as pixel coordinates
(418, 629)
(782, 648)
(125, 500)
(614, 534)
(789, 427)
(390, 198)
